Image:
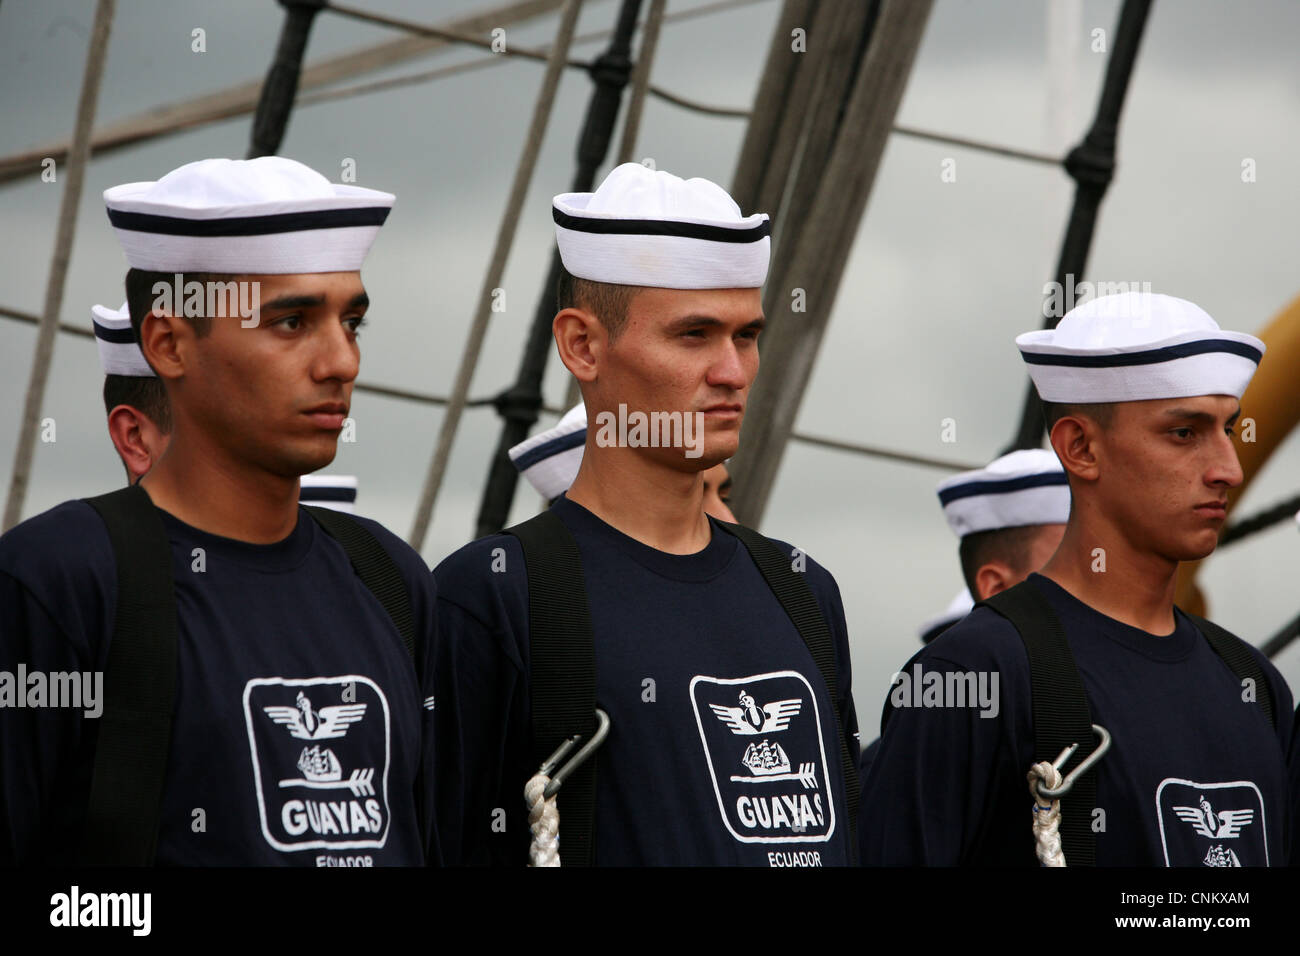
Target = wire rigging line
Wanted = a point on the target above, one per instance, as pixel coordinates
(74, 179)
(505, 238)
(667, 96)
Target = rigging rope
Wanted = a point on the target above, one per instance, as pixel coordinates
(543, 822)
(77, 161)
(505, 238)
(1047, 818)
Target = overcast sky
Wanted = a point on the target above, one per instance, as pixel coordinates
(941, 278)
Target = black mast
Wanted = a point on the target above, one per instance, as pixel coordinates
(1091, 164)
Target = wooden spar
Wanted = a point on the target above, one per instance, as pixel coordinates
(848, 33)
(74, 178)
(1091, 165)
(281, 84)
(241, 99)
(775, 83)
(518, 405)
(816, 262)
(505, 238)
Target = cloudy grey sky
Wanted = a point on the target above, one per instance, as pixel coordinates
(941, 278)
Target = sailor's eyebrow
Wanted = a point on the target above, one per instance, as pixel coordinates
(295, 302)
(1196, 415)
(708, 321)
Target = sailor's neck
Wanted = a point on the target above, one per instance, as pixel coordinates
(216, 496)
(1110, 575)
(660, 507)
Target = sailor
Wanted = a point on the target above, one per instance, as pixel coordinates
(549, 461)
(659, 315)
(297, 713)
(1141, 394)
(1008, 518)
(139, 418)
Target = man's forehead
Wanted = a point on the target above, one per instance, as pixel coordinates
(722, 304)
(1188, 406)
(299, 280)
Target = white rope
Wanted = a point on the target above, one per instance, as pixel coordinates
(1047, 819)
(544, 822)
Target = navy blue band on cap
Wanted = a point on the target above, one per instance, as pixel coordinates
(124, 336)
(548, 448)
(1146, 357)
(661, 227)
(249, 225)
(319, 493)
(1001, 486)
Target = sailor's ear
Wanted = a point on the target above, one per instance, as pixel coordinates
(992, 578)
(127, 430)
(161, 338)
(581, 340)
(1074, 439)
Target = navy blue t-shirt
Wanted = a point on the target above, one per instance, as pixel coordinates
(1196, 775)
(724, 744)
(301, 734)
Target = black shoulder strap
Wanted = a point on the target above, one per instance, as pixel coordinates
(1236, 654)
(800, 605)
(1060, 709)
(562, 670)
(135, 727)
(374, 566)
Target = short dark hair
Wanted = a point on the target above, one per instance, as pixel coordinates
(609, 302)
(1008, 545)
(144, 393)
(1103, 413)
(140, 296)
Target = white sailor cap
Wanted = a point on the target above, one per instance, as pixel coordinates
(1022, 488)
(550, 459)
(961, 605)
(119, 352)
(1136, 346)
(264, 216)
(336, 492)
(648, 227)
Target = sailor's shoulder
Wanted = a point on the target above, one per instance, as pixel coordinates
(982, 640)
(69, 539)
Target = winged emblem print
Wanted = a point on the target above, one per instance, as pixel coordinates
(749, 719)
(1225, 825)
(307, 723)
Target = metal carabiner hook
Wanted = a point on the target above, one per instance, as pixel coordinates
(559, 776)
(1055, 793)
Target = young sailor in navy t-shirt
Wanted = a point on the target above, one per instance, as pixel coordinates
(1141, 395)
(725, 744)
(300, 732)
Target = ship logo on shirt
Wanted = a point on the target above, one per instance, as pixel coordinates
(748, 719)
(1196, 820)
(769, 790)
(321, 795)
